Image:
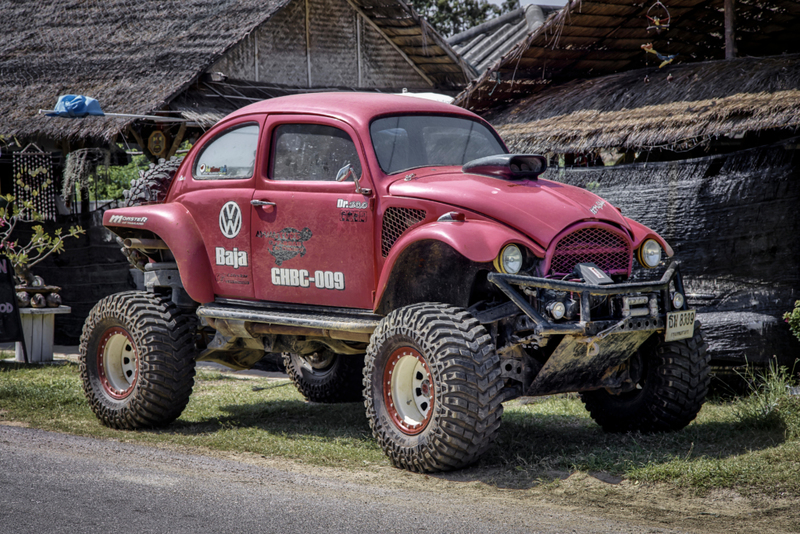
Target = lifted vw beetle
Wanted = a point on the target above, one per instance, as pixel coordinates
(390, 249)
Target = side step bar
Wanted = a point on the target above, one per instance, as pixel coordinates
(336, 324)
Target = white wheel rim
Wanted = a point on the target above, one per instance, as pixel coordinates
(408, 390)
(117, 362)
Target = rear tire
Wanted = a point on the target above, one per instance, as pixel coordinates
(432, 387)
(137, 360)
(674, 384)
(329, 378)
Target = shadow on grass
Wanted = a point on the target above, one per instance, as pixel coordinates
(531, 449)
(290, 418)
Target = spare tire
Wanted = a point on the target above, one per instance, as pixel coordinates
(152, 184)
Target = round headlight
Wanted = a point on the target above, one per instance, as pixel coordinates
(650, 254)
(510, 260)
(557, 310)
(677, 301)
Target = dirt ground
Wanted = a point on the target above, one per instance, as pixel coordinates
(599, 494)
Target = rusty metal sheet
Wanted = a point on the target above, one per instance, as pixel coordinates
(580, 363)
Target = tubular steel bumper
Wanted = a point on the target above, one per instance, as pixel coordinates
(507, 283)
(592, 353)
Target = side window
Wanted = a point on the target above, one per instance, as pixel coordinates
(230, 156)
(312, 152)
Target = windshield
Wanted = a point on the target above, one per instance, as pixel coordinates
(411, 141)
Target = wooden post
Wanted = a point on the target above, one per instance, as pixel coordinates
(176, 144)
(308, 41)
(730, 34)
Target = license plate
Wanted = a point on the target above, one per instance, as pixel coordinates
(680, 325)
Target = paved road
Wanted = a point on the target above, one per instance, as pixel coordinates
(60, 483)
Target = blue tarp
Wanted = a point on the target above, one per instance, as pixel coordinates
(76, 106)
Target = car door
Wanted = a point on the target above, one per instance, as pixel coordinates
(222, 178)
(312, 237)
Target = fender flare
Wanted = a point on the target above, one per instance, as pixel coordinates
(641, 233)
(175, 226)
(477, 241)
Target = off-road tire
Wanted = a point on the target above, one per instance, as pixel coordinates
(674, 384)
(150, 341)
(152, 184)
(339, 381)
(463, 371)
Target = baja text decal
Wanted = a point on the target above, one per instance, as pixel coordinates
(351, 205)
(230, 219)
(301, 278)
(231, 258)
(122, 219)
(287, 243)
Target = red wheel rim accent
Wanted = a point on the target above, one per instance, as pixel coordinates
(117, 363)
(408, 391)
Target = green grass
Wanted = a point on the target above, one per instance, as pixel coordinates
(728, 446)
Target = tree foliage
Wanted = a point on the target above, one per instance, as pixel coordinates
(450, 17)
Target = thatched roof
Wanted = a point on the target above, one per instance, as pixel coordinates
(592, 38)
(137, 56)
(649, 108)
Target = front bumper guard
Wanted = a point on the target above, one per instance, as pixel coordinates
(592, 354)
(585, 327)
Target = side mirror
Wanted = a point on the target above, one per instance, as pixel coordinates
(346, 172)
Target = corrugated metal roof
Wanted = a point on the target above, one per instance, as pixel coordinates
(481, 46)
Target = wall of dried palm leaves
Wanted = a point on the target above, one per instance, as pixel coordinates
(732, 220)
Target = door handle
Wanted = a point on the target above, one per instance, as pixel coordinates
(261, 203)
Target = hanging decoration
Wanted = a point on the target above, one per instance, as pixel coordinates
(81, 167)
(658, 17)
(665, 60)
(33, 180)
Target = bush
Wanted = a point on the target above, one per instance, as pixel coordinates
(768, 390)
(793, 318)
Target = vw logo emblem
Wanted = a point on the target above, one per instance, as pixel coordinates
(230, 219)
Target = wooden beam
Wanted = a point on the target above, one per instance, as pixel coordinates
(308, 42)
(730, 33)
(176, 144)
(392, 43)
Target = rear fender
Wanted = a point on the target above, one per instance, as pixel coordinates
(466, 245)
(175, 226)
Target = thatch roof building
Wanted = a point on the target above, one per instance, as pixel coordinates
(680, 107)
(593, 38)
(138, 57)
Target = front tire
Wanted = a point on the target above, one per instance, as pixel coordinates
(674, 384)
(326, 377)
(432, 387)
(137, 360)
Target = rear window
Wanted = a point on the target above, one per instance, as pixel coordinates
(232, 155)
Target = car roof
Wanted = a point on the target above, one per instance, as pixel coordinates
(352, 107)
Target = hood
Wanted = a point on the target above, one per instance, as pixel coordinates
(540, 209)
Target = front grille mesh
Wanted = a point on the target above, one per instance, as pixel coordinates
(395, 222)
(608, 250)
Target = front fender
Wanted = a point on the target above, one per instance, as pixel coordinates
(175, 226)
(477, 241)
(641, 233)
